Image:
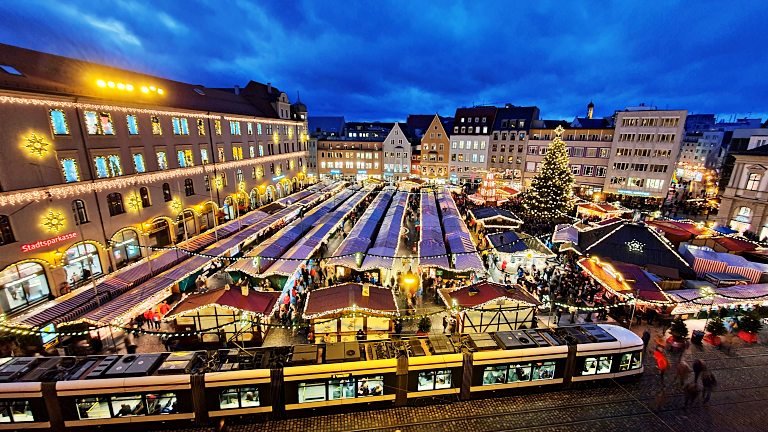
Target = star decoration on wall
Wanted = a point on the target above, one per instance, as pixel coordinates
(176, 205)
(36, 145)
(53, 221)
(134, 201)
(635, 246)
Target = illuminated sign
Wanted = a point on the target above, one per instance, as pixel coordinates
(48, 242)
(362, 171)
(334, 172)
(636, 193)
(278, 178)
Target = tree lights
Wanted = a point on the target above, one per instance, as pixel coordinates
(550, 192)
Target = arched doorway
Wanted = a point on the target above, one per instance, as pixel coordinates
(271, 193)
(126, 247)
(208, 216)
(185, 225)
(21, 285)
(82, 263)
(160, 232)
(287, 185)
(229, 209)
(255, 199)
(295, 183)
(280, 191)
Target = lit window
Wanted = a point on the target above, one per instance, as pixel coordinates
(108, 166)
(59, 122)
(222, 158)
(156, 128)
(138, 163)
(69, 168)
(237, 153)
(105, 123)
(217, 126)
(261, 150)
(234, 127)
(201, 127)
(258, 128)
(180, 126)
(204, 156)
(753, 181)
(133, 124)
(250, 129)
(251, 151)
(185, 158)
(162, 160)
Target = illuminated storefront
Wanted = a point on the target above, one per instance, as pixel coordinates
(125, 248)
(21, 285)
(82, 263)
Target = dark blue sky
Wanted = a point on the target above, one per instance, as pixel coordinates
(383, 60)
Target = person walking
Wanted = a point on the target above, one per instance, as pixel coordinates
(661, 363)
(646, 340)
(698, 367)
(708, 383)
(683, 371)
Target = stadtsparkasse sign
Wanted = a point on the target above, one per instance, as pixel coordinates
(29, 247)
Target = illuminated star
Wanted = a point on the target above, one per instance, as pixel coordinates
(36, 145)
(53, 221)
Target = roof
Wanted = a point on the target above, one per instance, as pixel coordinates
(482, 213)
(678, 232)
(692, 300)
(479, 294)
(511, 242)
(418, 123)
(591, 123)
(511, 112)
(623, 278)
(348, 297)
(57, 75)
(602, 208)
(329, 124)
(635, 244)
(550, 124)
(489, 112)
(261, 303)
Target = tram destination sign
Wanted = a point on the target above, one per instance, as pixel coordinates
(29, 247)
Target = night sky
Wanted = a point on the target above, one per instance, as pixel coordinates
(378, 60)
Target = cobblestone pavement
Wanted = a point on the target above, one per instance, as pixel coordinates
(736, 405)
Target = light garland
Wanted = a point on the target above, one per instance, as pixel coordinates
(353, 308)
(99, 185)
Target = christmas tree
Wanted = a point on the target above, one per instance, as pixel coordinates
(678, 330)
(550, 191)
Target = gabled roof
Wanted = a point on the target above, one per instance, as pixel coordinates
(419, 123)
(511, 242)
(511, 112)
(262, 303)
(479, 294)
(624, 279)
(636, 244)
(481, 213)
(57, 75)
(348, 297)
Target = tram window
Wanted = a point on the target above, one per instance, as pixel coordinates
(434, 380)
(519, 372)
(624, 363)
(597, 365)
(93, 407)
(15, 411)
(341, 389)
(239, 397)
(637, 360)
(495, 375)
(161, 403)
(125, 406)
(543, 371)
(311, 392)
(370, 386)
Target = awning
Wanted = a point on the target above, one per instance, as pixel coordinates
(260, 303)
(722, 229)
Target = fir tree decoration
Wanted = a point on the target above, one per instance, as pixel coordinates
(550, 192)
(678, 330)
(750, 322)
(716, 326)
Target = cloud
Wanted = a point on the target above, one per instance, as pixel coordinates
(383, 60)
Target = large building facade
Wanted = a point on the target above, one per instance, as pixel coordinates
(435, 151)
(646, 144)
(99, 164)
(744, 204)
(472, 128)
(397, 153)
(350, 159)
(511, 132)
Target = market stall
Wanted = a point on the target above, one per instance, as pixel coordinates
(520, 250)
(236, 313)
(488, 306)
(339, 312)
(493, 219)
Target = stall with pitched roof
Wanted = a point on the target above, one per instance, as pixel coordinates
(337, 313)
(601, 210)
(488, 306)
(520, 250)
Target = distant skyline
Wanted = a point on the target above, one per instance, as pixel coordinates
(381, 60)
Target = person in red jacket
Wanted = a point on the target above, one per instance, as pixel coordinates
(661, 363)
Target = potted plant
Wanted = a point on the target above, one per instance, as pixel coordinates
(678, 331)
(715, 329)
(425, 324)
(749, 325)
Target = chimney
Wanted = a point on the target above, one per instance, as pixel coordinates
(590, 109)
(237, 89)
(269, 87)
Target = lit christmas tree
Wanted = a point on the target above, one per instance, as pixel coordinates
(550, 191)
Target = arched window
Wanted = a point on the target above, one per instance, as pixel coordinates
(82, 263)
(167, 192)
(144, 195)
(115, 204)
(6, 232)
(21, 285)
(125, 247)
(239, 176)
(78, 209)
(189, 187)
